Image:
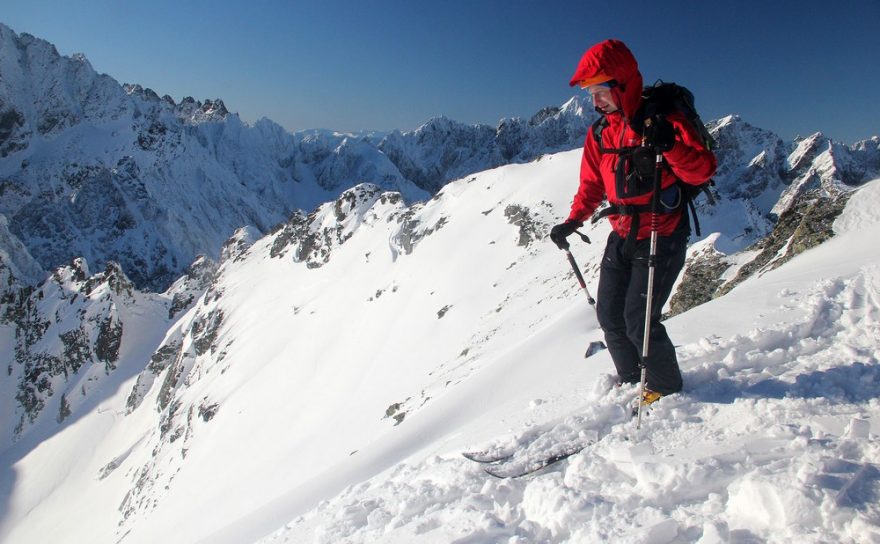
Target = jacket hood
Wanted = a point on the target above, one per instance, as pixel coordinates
(612, 59)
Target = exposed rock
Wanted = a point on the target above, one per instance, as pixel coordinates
(196, 280)
(108, 342)
(77, 351)
(529, 228)
(700, 280)
(803, 226)
(207, 411)
(236, 247)
(204, 331)
(65, 329)
(63, 410)
(11, 141)
(413, 230)
(288, 234)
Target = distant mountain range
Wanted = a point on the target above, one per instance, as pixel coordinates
(108, 172)
(93, 169)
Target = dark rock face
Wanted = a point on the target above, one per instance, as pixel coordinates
(530, 229)
(804, 225)
(700, 281)
(66, 328)
(11, 139)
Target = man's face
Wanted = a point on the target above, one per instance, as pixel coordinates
(602, 98)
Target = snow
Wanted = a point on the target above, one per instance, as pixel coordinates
(772, 440)
(480, 342)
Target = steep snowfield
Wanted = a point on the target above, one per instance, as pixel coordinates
(333, 402)
(774, 438)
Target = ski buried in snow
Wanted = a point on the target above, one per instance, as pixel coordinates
(537, 450)
(486, 458)
(524, 467)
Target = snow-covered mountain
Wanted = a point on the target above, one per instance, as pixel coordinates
(94, 169)
(318, 377)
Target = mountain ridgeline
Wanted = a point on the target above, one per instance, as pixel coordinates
(93, 169)
(106, 172)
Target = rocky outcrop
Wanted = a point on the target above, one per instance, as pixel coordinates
(69, 335)
(700, 280)
(805, 224)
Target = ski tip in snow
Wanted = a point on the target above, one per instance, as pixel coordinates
(485, 457)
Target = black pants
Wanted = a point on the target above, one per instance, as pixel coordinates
(621, 304)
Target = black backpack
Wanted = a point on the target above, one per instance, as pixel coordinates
(662, 99)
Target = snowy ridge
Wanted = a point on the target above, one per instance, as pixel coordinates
(68, 343)
(770, 440)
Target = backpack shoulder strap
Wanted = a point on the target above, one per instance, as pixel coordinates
(597, 128)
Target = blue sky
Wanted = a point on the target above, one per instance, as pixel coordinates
(786, 66)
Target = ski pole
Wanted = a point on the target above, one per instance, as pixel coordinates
(597, 345)
(580, 277)
(652, 262)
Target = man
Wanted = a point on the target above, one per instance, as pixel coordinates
(619, 164)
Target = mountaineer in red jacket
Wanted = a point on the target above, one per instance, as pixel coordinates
(618, 165)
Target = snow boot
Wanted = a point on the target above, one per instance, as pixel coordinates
(648, 398)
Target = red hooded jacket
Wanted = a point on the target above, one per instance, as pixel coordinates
(688, 160)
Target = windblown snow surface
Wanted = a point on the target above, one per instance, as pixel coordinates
(345, 395)
(774, 438)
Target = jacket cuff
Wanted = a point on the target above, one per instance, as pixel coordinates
(675, 154)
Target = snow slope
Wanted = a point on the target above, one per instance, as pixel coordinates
(323, 389)
(774, 438)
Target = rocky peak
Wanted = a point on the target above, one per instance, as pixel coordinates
(195, 112)
(195, 281)
(81, 58)
(543, 115)
(749, 158)
(69, 336)
(805, 152)
(237, 245)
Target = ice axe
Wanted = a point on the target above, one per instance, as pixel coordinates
(597, 345)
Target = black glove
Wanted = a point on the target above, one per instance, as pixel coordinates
(659, 133)
(559, 233)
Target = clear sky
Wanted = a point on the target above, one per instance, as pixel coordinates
(793, 67)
